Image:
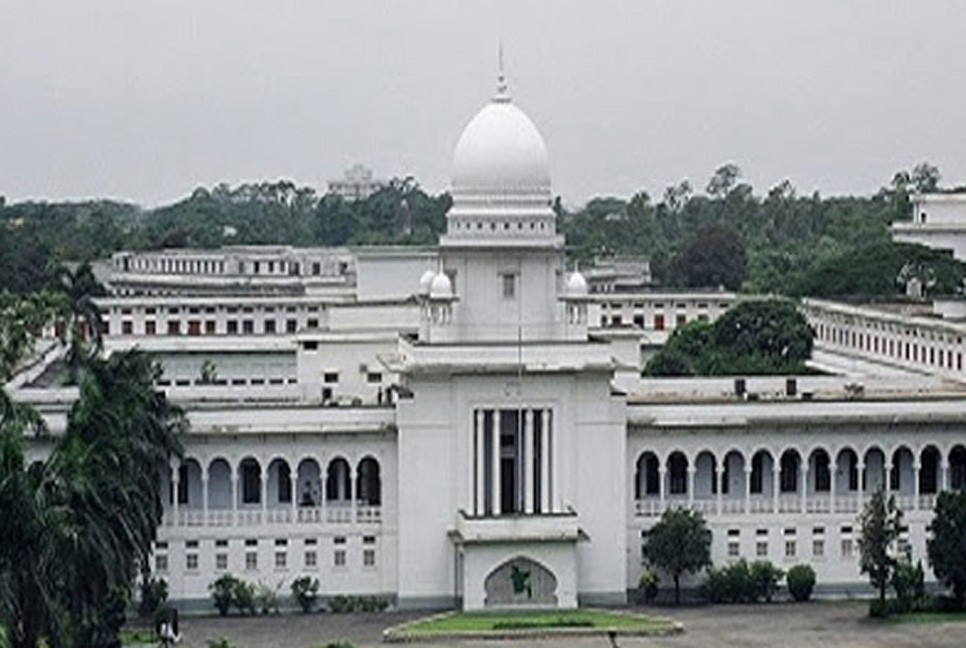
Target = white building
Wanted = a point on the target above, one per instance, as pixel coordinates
(357, 183)
(427, 424)
(938, 221)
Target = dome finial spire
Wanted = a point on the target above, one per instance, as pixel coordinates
(502, 94)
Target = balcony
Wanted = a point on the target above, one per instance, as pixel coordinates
(555, 527)
(334, 513)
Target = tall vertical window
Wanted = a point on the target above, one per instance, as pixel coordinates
(509, 281)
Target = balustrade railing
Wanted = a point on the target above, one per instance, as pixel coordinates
(331, 513)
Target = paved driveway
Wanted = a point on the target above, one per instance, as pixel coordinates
(779, 625)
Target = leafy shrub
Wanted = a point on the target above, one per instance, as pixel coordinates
(244, 597)
(731, 583)
(154, 594)
(908, 581)
(801, 581)
(765, 578)
(648, 585)
(223, 593)
(306, 592)
(342, 604)
(266, 598)
(220, 642)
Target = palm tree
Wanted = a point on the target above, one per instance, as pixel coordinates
(81, 288)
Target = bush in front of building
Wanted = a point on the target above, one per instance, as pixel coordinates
(801, 582)
(765, 577)
(305, 590)
(223, 593)
(342, 604)
(648, 584)
(740, 582)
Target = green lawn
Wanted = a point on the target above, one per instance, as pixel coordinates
(533, 620)
(930, 617)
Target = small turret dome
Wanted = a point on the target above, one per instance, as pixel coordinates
(426, 281)
(441, 287)
(576, 285)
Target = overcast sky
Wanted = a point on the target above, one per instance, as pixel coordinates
(145, 100)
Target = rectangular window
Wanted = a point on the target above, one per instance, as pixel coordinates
(680, 321)
(330, 377)
(311, 559)
(150, 327)
(269, 327)
(232, 327)
(191, 562)
(338, 558)
(316, 268)
(761, 549)
(161, 563)
(374, 377)
(251, 560)
(734, 549)
(174, 327)
(509, 283)
(312, 323)
(790, 547)
(369, 558)
(221, 561)
(281, 560)
(658, 322)
(209, 327)
(818, 548)
(291, 325)
(248, 327)
(127, 327)
(846, 547)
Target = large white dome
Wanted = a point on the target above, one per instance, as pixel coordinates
(501, 150)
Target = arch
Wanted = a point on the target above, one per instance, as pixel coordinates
(677, 473)
(308, 483)
(874, 474)
(733, 473)
(190, 492)
(819, 473)
(930, 460)
(705, 474)
(279, 486)
(789, 467)
(647, 475)
(249, 481)
(219, 484)
(520, 581)
(957, 467)
(338, 482)
(901, 475)
(762, 471)
(368, 483)
(847, 470)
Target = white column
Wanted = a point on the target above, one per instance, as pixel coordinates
(175, 482)
(887, 486)
(776, 472)
(662, 473)
(495, 464)
(527, 457)
(480, 463)
(944, 475)
(720, 478)
(352, 493)
(860, 490)
(545, 463)
(264, 494)
(294, 487)
(748, 490)
(691, 471)
(803, 483)
(204, 494)
(915, 485)
(833, 478)
(234, 496)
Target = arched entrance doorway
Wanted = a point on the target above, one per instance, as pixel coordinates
(520, 581)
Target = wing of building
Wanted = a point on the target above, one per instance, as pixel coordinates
(429, 424)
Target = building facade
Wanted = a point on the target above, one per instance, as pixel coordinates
(467, 425)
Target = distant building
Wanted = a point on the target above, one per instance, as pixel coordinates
(619, 274)
(938, 221)
(357, 183)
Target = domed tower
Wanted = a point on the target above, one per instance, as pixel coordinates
(501, 249)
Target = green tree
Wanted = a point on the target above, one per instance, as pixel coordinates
(679, 543)
(880, 521)
(715, 257)
(947, 546)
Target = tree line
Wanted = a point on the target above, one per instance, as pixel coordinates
(780, 241)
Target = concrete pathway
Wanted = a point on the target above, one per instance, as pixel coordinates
(779, 625)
